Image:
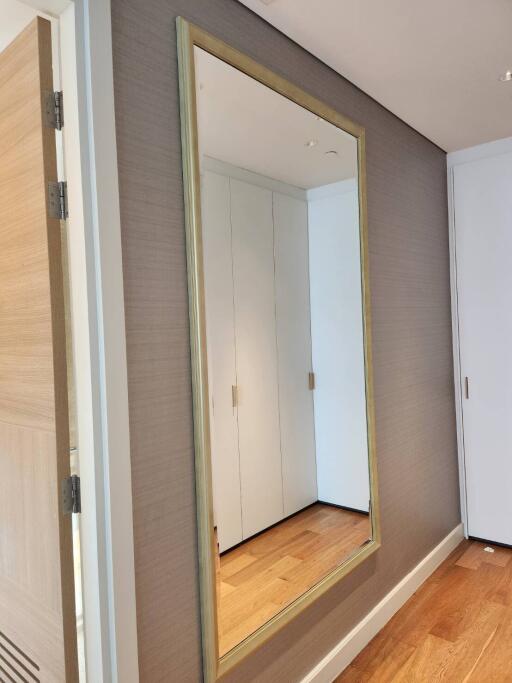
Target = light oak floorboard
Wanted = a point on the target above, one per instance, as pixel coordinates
(266, 573)
(457, 627)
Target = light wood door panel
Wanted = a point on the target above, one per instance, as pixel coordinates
(37, 610)
(258, 405)
(294, 352)
(220, 339)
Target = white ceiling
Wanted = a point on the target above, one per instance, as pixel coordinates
(249, 125)
(14, 16)
(434, 63)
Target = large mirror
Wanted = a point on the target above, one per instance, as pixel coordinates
(280, 330)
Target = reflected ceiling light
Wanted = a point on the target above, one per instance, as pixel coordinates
(311, 143)
(507, 76)
(331, 153)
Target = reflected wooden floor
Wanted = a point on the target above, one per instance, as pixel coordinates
(260, 577)
(456, 628)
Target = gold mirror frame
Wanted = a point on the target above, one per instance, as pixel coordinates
(190, 36)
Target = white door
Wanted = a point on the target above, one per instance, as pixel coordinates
(294, 352)
(483, 225)
(220, 339)
(338, 346)
(255, 326)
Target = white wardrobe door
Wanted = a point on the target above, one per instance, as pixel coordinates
(338, 351)
(220, 333)
(258, 409)
(483, 224)
(294, 352)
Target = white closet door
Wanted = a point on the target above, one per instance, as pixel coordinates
(294, 352)
(220, 333)
(338, 348)
(258, 409)
(483, 224)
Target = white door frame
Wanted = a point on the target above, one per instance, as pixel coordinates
(99, 344)
(463, 156)
(456, 352)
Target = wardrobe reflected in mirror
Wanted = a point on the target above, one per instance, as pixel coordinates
(282, 356)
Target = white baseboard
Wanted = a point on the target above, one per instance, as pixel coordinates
(347, 649)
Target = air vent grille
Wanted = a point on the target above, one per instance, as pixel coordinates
(16, 665)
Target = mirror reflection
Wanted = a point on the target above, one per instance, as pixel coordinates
(285, 345)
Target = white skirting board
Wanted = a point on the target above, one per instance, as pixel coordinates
(351, 645)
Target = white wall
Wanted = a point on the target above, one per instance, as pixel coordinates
(338, 345)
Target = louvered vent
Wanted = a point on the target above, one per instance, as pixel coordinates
(15, 665)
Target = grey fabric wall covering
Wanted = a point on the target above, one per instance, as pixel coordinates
(409, 276)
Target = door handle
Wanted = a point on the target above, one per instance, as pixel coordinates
(234, 395)
(466, 387)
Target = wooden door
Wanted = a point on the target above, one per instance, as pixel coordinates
(294, 352)
(256, 357)
(220, 339)
(37, 610)
(483, 225)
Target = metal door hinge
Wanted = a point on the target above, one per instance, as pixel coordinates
(71, 498)
(53, 112)
(58, 200)
(311, 381)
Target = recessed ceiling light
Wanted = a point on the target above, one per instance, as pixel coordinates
(311, 143)
(331, 153)
(507, 76)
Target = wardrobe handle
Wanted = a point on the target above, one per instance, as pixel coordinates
(466, 387)
(311, 381)
(234, 395)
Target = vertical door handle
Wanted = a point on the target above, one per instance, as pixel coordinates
(466, 387)
(234, 395)
(311, 381)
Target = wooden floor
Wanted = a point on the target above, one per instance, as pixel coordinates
(457, 628)
(260, 577)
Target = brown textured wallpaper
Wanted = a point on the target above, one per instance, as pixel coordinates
(409, 275)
